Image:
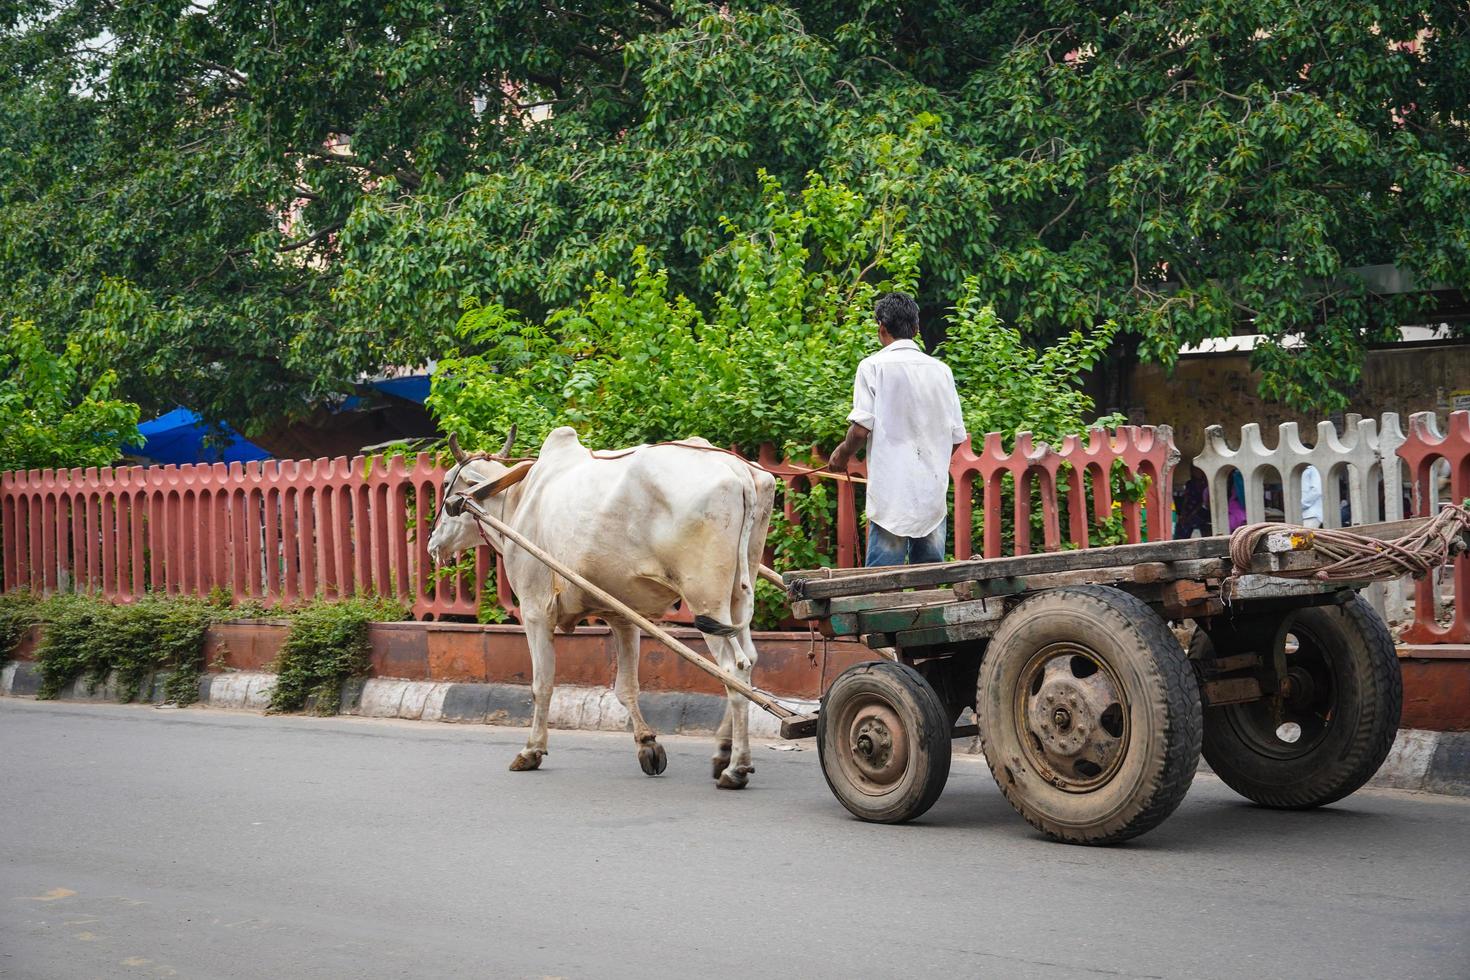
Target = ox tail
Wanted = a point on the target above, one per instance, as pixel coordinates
(713, 627)
(742, 584)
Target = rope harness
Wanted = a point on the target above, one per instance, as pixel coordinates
(820, 472)
(1356, 558)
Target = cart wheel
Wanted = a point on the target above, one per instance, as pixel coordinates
(883, 742)
(1089, 714)
(1331, 730)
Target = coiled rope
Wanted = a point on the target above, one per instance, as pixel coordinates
(1356, 558)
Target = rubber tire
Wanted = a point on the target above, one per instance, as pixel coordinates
(1164, 715)
(925, 722)
(1370, 698)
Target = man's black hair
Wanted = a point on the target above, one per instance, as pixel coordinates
(899, 315)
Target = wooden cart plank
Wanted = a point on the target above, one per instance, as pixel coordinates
(934, 635)
(1249, 587)
(821, 585)
(914, 617)
(821, 608)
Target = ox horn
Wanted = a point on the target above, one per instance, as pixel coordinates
(459, 454)
(510, 440)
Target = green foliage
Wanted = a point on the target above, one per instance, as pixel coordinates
(327, 644)
(244, 206)
(491, 612)
(67, 649)
(1125, 489)
(19, 611)
(772, 361)
(87, 637)
(55, 411)
(802, 542)
(1006, 386)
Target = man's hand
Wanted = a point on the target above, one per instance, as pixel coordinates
(857, 437)
(840, 460)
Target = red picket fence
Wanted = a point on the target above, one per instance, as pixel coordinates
(1424, 448)
(290, 530)
(281, 531)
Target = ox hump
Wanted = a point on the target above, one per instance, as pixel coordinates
(560, 440)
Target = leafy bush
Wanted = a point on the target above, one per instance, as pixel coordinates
(772, 360)
(51, 414)
(19, 611)
(156, 634)
(802, 542)
(68, 647)
(327, 644)
(89, 638)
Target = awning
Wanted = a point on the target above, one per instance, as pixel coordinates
(179, 437)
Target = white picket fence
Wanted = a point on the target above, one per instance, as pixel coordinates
(1365, 452)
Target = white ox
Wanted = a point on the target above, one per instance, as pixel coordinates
(656, 524)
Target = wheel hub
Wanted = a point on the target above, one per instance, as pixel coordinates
(1075, 717)
(877, 744)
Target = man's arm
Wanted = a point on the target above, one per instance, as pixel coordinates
(857, 437)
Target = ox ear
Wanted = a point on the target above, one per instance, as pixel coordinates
(510, 441)
(459, 454)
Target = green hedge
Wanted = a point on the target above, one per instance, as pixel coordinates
(88, 639)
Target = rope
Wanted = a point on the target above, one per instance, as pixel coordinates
(1356, 558)
(820, 472)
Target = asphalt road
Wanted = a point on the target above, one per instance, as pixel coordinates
(140, 842)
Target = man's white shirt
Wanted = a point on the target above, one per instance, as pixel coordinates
(908, 403)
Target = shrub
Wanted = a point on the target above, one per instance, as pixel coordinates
(19, 611)
(89, 638)
(69, 647)
(770, 359)
(327, 644)
(55, 409)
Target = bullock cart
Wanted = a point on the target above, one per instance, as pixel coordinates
(1091, 710)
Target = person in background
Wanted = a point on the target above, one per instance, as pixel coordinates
(1311, 497)
(1235, 499)
(1193, 507)
(906, 411)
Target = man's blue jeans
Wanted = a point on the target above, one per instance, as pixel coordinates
(893, 549)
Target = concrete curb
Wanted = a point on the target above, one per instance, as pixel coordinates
(1423, 761)
(572, 707)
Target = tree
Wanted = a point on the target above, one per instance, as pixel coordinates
(245, 205)
(54, 411)
(770, 359)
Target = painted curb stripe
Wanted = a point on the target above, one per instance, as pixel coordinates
(1433, 762)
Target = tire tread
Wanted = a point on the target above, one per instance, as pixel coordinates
(1181, 703)
(1383, 694)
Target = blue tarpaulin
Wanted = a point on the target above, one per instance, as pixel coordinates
(413, 388)
(178, 437)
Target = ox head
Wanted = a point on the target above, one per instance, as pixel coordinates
(455, 533)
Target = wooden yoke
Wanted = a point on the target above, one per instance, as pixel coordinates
(490, 488)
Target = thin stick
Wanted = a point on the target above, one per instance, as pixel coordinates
(642, 622)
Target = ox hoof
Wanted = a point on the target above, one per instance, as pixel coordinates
(735, 777)
(652, 758)
(720, 761)
(525, 761)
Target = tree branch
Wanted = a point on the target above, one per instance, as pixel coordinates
(408, 178)
(661, 9)
(314, 237)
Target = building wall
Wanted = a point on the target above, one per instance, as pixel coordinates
(1222, 389)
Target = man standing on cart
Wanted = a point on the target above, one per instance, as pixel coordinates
(906, 411)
